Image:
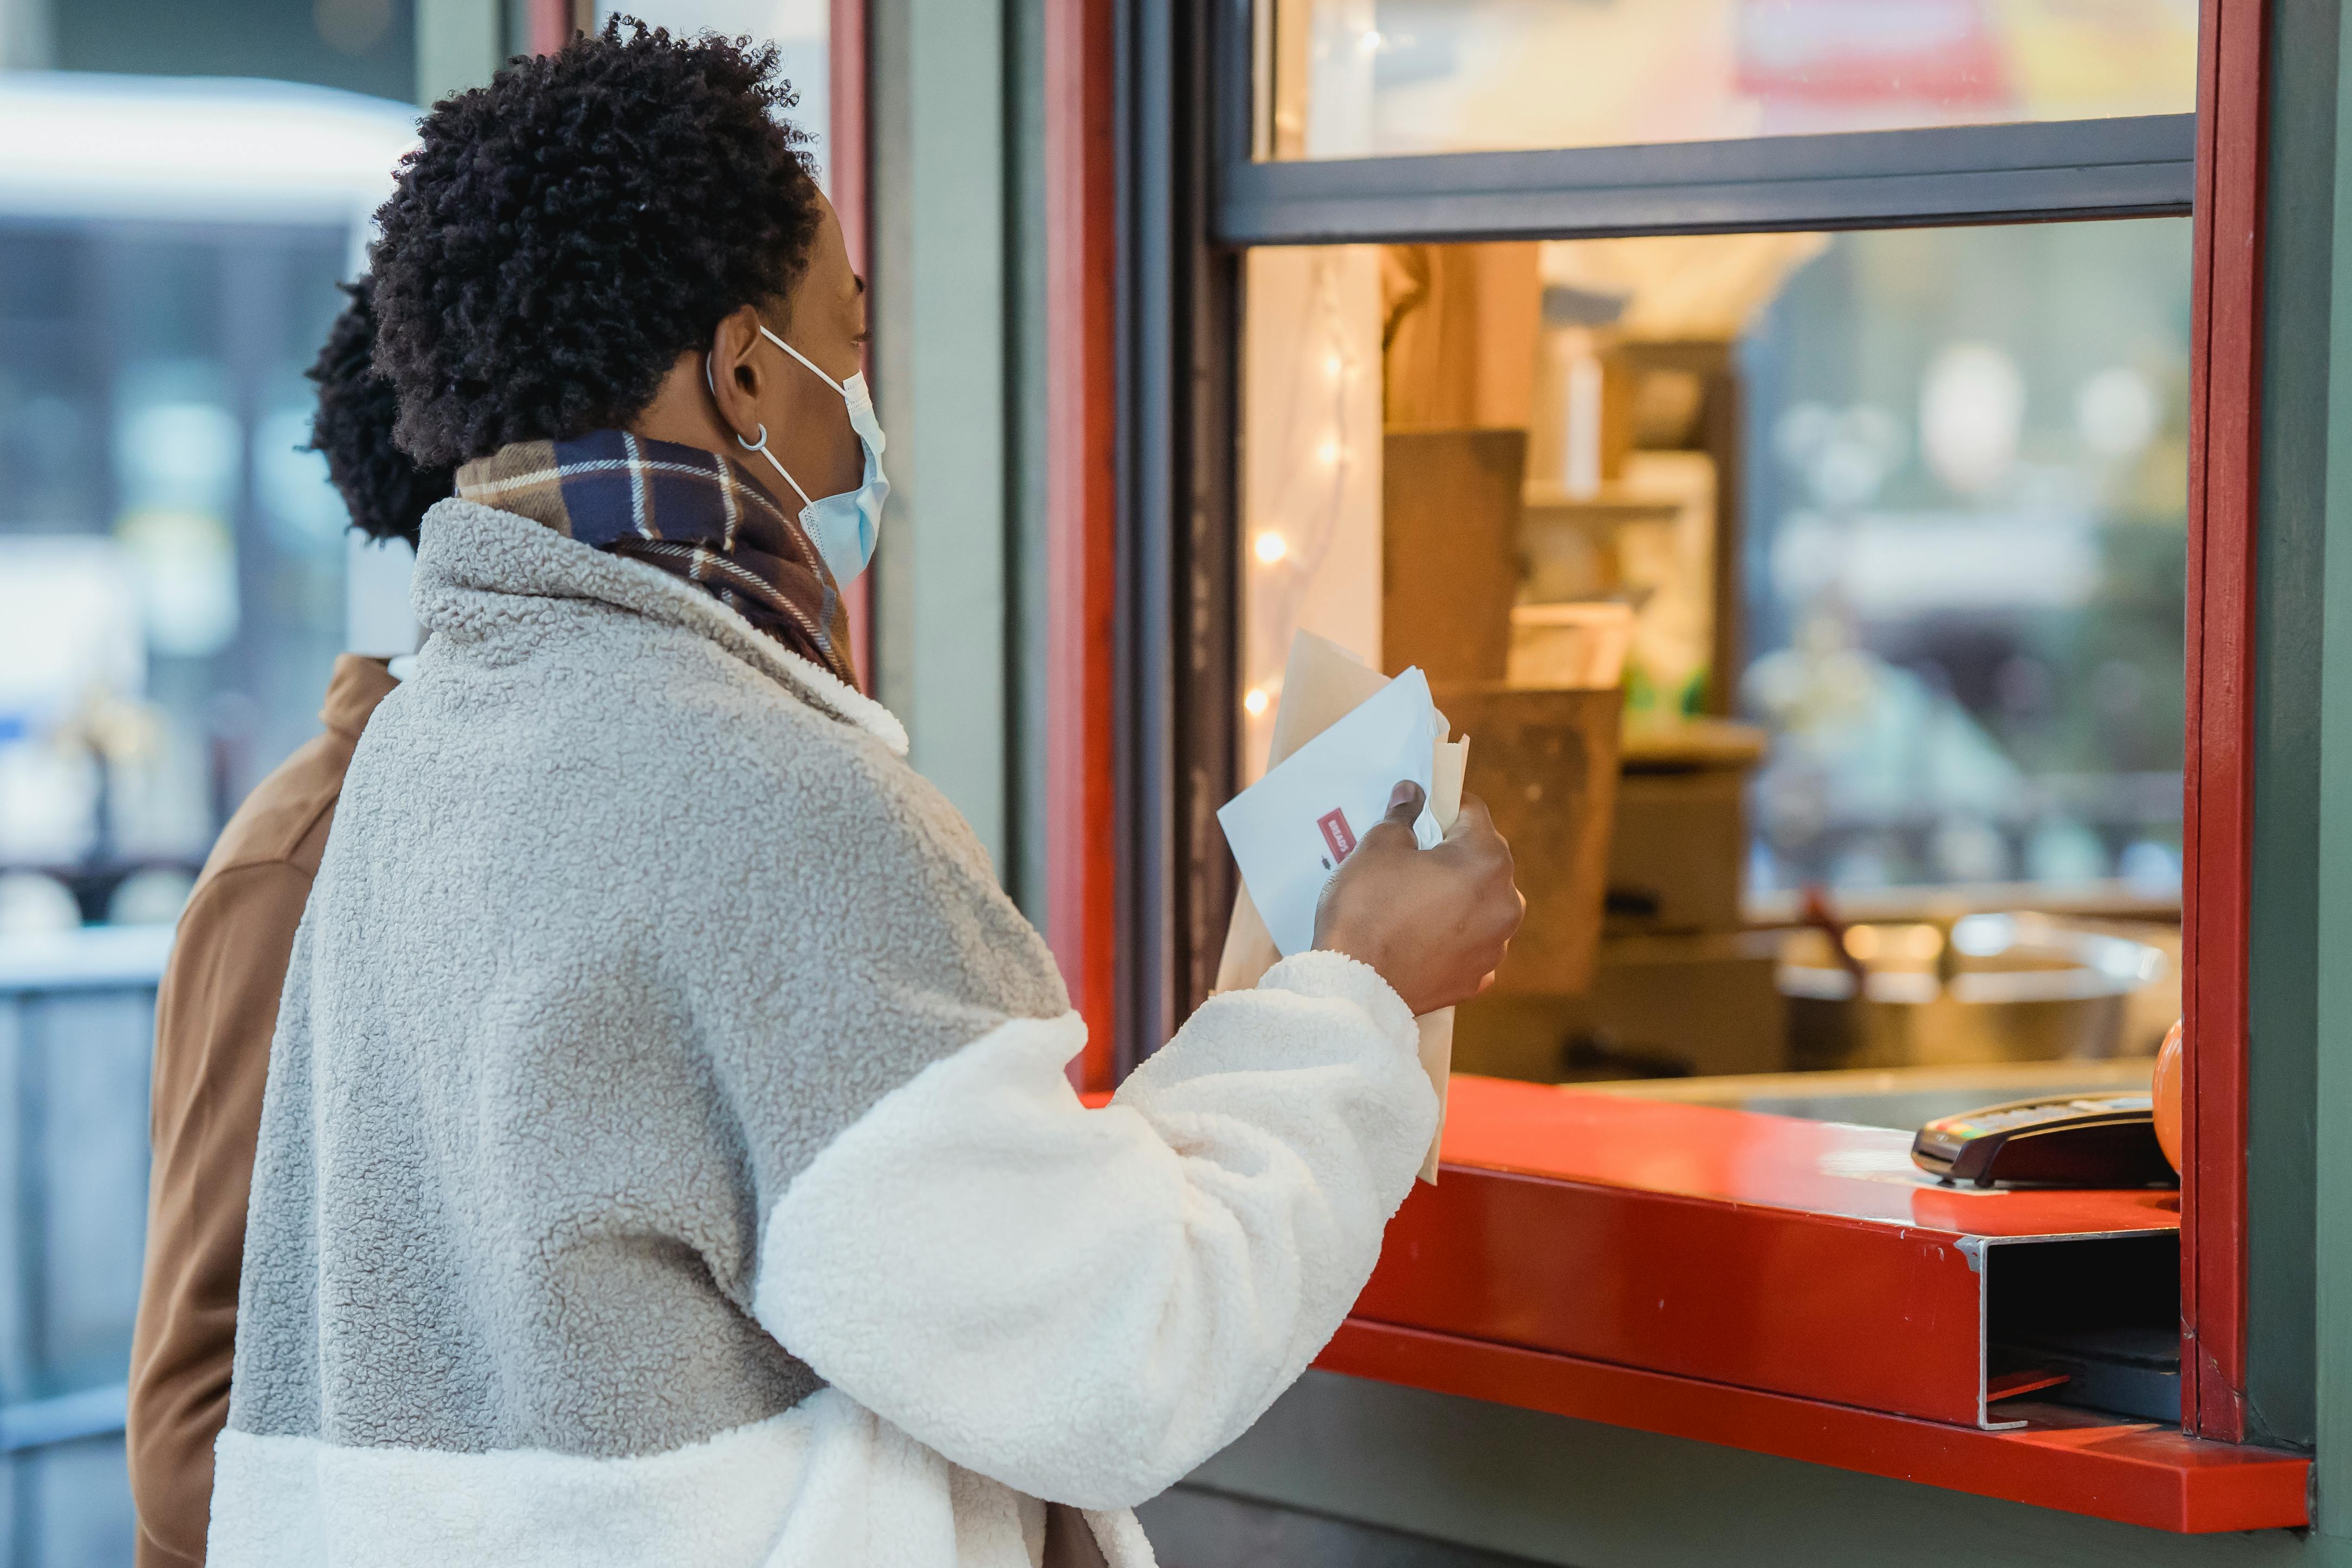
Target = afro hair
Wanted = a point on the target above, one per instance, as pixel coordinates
(564, 234)
(381, 486)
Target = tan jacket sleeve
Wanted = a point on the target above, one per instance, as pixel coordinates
(214, 1018)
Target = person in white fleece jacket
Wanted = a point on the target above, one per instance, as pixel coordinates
(667, 1156)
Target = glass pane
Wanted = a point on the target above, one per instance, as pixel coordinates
(1857, 561)
(1355, 78)
(1970, 503)
(171, 564)
(801, 30)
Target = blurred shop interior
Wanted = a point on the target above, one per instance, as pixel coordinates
(1813, 602)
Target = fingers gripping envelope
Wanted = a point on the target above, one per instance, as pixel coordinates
(1343, 736)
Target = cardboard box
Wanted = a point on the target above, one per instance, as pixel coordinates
(1450, 551)
(1546, 764)
(1694, 1005)
(1678, 859)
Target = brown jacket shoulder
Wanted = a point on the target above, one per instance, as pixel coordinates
(214, 1014)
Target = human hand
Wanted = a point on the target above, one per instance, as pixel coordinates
(1434, 923)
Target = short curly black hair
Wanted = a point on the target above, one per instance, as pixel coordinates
(384, 490)
(566, 233)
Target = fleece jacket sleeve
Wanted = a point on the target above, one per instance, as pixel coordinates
(1085, 1305)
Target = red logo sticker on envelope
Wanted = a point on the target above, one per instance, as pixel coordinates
(1336, 833)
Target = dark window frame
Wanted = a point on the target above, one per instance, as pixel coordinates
(2039, 171)
(2140, 167)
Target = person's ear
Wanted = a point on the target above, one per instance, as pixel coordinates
(734, 372)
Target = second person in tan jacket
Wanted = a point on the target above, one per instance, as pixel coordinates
(218, 1005)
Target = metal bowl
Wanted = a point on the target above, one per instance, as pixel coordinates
(1989, 988)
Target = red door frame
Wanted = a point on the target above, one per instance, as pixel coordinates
(2217, 783)
(551, 22)
(847, 145)
(2225, 375)
(1081, 515)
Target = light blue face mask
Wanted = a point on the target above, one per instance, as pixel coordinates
(842, 527)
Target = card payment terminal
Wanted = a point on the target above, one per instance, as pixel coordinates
(2076, 1140)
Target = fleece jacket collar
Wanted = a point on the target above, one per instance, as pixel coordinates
(479, 568)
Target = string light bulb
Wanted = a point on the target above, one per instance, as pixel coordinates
(1254, 702)
(1328, 453)
(1270, 548)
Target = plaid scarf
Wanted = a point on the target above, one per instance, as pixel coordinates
(691, 513)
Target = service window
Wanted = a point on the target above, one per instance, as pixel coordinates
(1877, 533)
(1772, 425)
(1882, 537)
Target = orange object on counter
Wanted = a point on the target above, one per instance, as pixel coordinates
(2166, 1093)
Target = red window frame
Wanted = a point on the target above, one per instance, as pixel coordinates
(2217, 820)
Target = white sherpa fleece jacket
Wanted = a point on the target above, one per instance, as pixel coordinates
(668, 1157)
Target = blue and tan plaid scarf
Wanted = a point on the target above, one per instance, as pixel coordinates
(694, 514)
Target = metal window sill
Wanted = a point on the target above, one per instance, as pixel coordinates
(1781, 1286)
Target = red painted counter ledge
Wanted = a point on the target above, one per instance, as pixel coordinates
(1782, 1286)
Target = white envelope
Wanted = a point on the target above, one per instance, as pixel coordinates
(1291, 829)
(1321, 685)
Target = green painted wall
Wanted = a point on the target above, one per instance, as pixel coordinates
(2331, 1235)
(957, 272)
(1023, 867)
(459, 44)
(1585, 1496)
(939, 272)
(2282, 1011)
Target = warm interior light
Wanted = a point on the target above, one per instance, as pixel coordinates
(1333, 365)
(1328, 453)
(1254, 702)
(1270, 548)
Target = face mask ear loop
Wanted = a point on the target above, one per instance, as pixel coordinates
(804, 359)
(761, 446)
